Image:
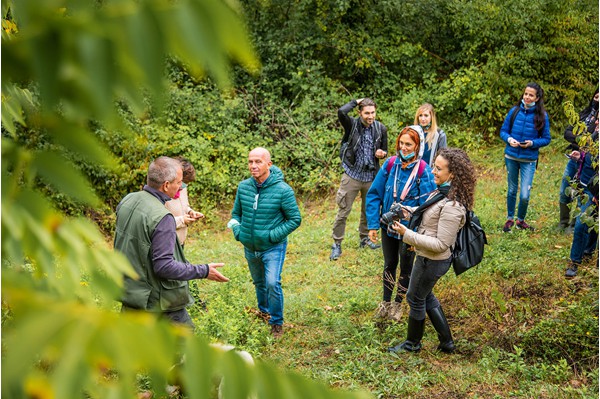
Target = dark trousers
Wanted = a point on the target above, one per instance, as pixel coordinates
(425, 274)
(395, 251)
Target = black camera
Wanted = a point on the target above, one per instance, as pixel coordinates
(395, 213)
(369, 167)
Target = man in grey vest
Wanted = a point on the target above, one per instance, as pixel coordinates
(365, 141)
(146, 235)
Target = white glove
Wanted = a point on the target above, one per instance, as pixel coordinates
(232, 223)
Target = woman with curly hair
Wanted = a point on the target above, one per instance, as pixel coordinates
(442, 216)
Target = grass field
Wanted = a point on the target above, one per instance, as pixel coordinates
(522, 330)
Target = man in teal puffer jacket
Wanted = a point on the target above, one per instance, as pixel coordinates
(264, 214)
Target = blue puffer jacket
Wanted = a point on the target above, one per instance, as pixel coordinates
(380, 196)
(268, 214)
(524, 129)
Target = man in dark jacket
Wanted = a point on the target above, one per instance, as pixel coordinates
(264, 214)
(365, 141)
(146, 235)
(588, 117)
(585, 237)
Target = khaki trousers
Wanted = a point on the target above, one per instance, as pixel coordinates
(346, 194)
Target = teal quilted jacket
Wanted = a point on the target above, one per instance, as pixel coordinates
(267, 214)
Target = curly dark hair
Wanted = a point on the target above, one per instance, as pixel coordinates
(189, 172)
(462, 188)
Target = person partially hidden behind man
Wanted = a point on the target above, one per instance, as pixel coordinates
(146, 235)
(264, 214)
(364, 143)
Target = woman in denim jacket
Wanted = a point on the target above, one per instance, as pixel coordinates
(404, 179)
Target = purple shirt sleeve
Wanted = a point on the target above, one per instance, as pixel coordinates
(163, 247)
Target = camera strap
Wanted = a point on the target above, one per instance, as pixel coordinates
(435, 196)
(416, 169)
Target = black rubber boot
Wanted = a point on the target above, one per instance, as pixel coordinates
(565, 216)
(414, 334)
(438, 319)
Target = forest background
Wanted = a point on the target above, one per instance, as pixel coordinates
(471, 60)
(299, 62)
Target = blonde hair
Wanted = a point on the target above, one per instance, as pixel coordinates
(433, 128)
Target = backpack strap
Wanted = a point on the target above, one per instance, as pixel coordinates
(422, 165)
(513, 116)
(390, 163)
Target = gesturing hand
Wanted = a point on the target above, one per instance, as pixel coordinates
(214, 274)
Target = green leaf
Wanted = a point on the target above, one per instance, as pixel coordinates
(56, 171)
(237, 376)
(146, 40)
(197, 355)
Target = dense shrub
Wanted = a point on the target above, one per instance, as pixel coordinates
(471, 60)
(571, 334)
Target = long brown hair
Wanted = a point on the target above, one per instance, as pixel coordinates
(462, 188)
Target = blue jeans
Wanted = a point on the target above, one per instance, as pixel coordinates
(265, 269)
(581, 236)
(426, 272)
(568, 174)
(525, 170)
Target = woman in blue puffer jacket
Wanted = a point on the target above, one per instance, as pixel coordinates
(524, 134)
(408, 180)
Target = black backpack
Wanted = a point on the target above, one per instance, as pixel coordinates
(469, 247)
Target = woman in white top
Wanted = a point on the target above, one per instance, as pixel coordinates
(435, 138)
(179, 206)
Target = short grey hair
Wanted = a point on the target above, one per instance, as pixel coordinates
(162, 169)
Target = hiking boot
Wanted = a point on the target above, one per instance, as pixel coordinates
(276, 331)
(508, 225)
(383, 310)
(366, 242)
(336, 251)
(571, 270)
(395, 311)
(524, 226)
